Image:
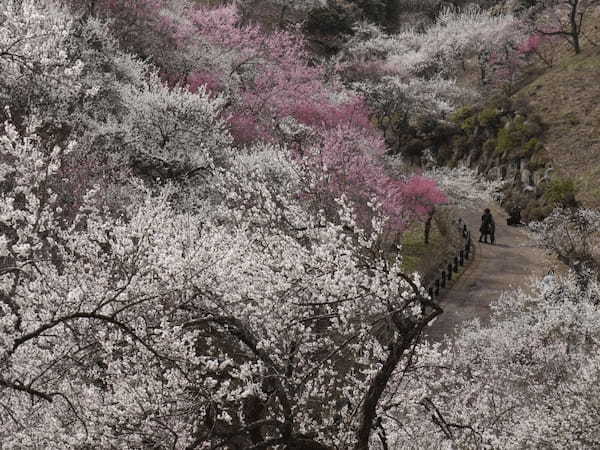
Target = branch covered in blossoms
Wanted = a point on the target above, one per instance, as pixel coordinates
(528, 378)
(241, 309)
(572, 235)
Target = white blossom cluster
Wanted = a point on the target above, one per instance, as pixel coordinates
(34, 56)
(173, 123)
(528, 379)
(422, 66)
(464, 186)
(571, 234)
(141, 329)
(149, 315)
(415, 97)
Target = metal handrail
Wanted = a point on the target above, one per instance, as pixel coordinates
(460, 258)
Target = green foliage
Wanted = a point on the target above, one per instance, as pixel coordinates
(506, 141)
(469, 124)
(460, 144)
(330, 21)
(518, 137)
(501, 102)
(443, 243)
(518, 124)
(530, 206)
(537, 160)
(461, 114)
(516, 199)
(532, 146)
(560, 192)
(503, 129)
(469, 119)
(535, 212)
(489, 117)
(536, 206)
(413, 249)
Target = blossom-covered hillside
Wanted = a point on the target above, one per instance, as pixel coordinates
(200, 222)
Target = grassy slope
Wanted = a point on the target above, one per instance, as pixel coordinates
(444, 242)
(567, 97)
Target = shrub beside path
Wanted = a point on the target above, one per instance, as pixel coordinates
(511, 263)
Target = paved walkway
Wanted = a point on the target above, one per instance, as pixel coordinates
(510, 263)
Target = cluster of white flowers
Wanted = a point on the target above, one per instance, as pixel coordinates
(33, 57)
(464, 187)
(529, 378)
(214, 303)
(422, 66)
(573, 235)
(173, 124)
(415, 97)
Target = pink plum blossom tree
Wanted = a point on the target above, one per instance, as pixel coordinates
(260, 80)
(273, 82)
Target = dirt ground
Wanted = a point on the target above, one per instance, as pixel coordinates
(511, 263)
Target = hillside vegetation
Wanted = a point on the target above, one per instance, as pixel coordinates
(208, 242)
(566, 98)
(535, 124)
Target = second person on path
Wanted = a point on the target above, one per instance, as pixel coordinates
(488, 227)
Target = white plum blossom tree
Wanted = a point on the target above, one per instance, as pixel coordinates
(247, 320)
(34, 58)
(527, 379)
(422, 66)
(414, 98)
(572, 234)
(464, 187)
(173, 125)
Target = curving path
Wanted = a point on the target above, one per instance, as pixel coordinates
(510, 263)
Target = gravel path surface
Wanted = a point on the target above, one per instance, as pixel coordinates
(510, 263)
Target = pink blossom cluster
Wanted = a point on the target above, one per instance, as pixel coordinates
(268, 78)
(279, 82)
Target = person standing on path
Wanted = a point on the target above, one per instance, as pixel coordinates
(487, 227)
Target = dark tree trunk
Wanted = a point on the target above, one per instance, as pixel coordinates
(398, 349)
(575, 24)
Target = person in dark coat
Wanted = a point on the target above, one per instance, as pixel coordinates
(514, 217)
(487, 226)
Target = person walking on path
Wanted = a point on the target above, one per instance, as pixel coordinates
(488, 227)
